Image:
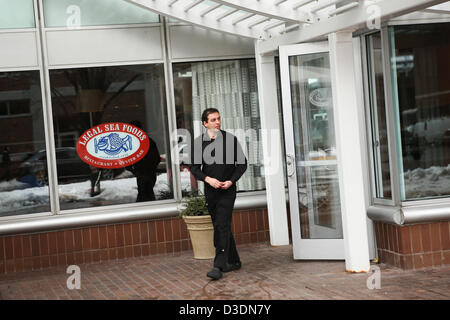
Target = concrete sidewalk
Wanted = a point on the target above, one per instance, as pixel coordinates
(268, 273)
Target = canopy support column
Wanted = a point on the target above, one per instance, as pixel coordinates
(350, 150)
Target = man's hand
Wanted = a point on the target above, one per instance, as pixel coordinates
(216, 184)
(226, 184)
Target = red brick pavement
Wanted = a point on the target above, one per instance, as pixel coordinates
(267, 273)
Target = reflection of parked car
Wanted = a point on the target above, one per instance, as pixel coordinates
(68, 164)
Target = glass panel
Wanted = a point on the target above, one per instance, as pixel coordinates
(16, 14)
(280, 117)
(83, 98)
(315, 147)
(421, 78)
(231, 87)
(73, 13)
(23, 166)
(378, 117)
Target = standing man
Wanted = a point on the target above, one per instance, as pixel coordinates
(218, 160)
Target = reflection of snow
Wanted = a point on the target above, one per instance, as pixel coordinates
(119, 190)
(431, 182)
(11, 185)
(185, 177)
(431, 130)
(18, 199)
(124, 190)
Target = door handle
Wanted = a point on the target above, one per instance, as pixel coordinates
(290, 165)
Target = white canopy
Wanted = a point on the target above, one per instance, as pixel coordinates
(278, 22)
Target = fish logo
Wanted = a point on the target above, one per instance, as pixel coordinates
(113, 144)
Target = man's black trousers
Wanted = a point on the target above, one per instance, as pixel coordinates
(220, 205)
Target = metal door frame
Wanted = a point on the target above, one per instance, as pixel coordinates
(328, 249)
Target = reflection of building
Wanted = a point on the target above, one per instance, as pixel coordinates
(358, 138)
(20, 112)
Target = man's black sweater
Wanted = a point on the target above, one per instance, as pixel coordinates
(221, 158)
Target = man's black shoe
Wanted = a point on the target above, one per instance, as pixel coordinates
(215, 274)
(232, 266)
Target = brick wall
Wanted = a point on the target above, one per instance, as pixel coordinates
(414, 246)
(36, 251)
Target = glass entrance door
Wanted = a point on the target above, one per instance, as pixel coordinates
(311, 152)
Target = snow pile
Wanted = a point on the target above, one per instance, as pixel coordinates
(119, 191)
(18, 199)
(430, 182)
(12, 185)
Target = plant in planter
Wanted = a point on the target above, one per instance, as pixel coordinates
(199, 224)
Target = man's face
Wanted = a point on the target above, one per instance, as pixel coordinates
(213, 122)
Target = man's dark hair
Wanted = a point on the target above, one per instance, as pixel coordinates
(207, 112)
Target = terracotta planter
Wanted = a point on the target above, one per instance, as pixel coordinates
(201, 231)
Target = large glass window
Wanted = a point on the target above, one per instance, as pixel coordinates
(85, 97)
(22, 140)
(378, 117)
(421, 82)
(74, 13)
(16, 14)
(230, 87)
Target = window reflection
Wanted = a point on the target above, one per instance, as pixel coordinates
(422, 70)
(76, 13)
(315, 146)
(16, 14)
(231, 87)
(378, 117)
(22, 137)
(280, 117)
(83, 98)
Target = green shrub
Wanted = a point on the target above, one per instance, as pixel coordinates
(194, 205)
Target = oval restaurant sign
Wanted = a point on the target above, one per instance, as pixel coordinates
(112, 145)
